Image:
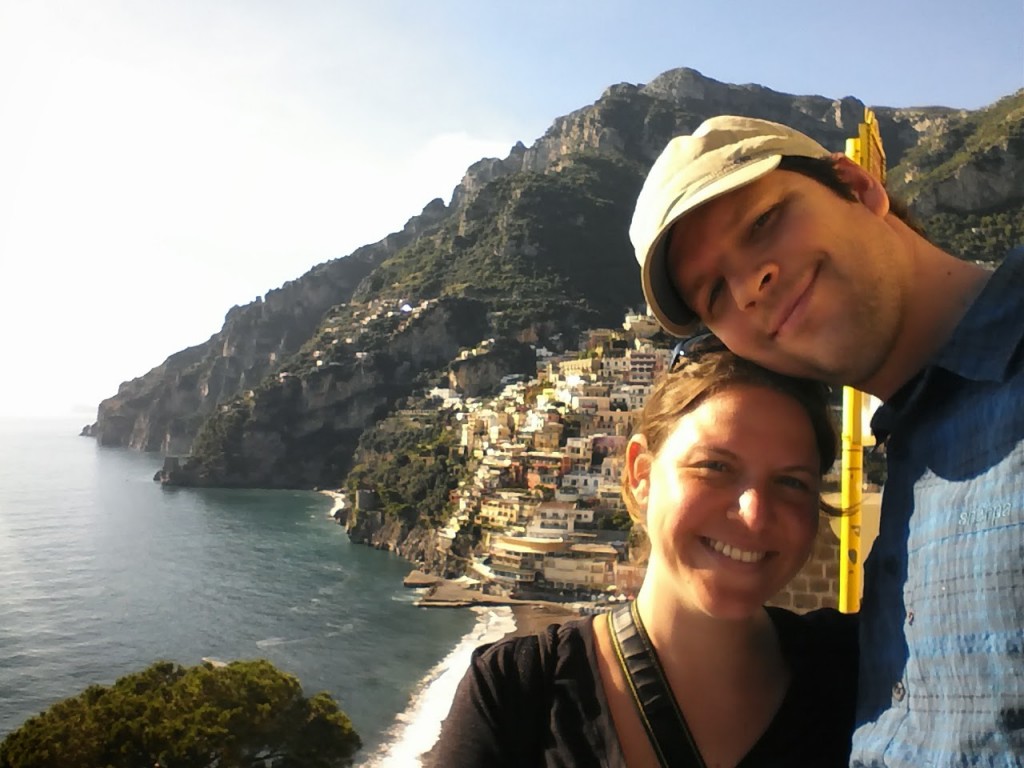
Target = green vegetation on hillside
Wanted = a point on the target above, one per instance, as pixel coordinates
(242, 715)
(218, 446)
(410, 460)
(532, 246)
(979, 237)
(968, 136)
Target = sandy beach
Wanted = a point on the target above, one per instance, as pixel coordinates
(535, 618)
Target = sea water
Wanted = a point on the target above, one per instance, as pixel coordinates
(103, 571)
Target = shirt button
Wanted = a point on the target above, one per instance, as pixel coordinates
(898, 692)
(910, 617)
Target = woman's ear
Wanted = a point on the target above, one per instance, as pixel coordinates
(638, 469)
(869, 190)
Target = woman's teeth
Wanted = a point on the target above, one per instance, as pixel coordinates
(735, 553)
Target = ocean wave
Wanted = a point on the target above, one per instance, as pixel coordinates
(416, 729)
(338, 499)
(408, 595)
(337, 630)
(273, 642)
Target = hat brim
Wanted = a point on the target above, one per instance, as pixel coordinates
(661, 294)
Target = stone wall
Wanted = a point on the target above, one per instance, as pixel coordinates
(817, 584)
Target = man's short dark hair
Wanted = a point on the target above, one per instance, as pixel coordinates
(823, 171)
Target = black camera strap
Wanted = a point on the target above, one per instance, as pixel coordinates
(664, 722)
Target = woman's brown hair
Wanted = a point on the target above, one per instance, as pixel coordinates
(680, 391)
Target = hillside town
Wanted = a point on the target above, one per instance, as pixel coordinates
(546, 460)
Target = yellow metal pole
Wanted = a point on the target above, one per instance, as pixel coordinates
(852, 481)
(865, 150)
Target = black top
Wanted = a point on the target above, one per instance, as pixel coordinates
(538, 701)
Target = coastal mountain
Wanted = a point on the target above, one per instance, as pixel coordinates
(164, 409)
(531, 250)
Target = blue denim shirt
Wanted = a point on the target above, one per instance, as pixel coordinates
(942, 619)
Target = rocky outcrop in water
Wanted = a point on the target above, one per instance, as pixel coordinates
(429, 548)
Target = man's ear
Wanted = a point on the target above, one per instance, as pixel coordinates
(869, 190)
(638, 469)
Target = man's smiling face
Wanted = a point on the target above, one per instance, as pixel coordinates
(793, 277)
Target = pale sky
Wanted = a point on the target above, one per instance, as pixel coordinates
(164, 160)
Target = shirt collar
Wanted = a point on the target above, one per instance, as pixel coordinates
(981, 347)
(985, 340)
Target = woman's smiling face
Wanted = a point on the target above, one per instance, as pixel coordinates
(731, 499)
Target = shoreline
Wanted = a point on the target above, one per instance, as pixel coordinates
(530, 616)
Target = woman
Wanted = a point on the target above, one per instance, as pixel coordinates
(724, 472)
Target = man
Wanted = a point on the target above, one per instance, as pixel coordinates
(793, 257)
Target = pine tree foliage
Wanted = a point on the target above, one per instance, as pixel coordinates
(246, 714)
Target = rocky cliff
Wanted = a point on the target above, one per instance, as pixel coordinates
(481, 373)
(298, 429)
(966, 162)
(428, 548)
